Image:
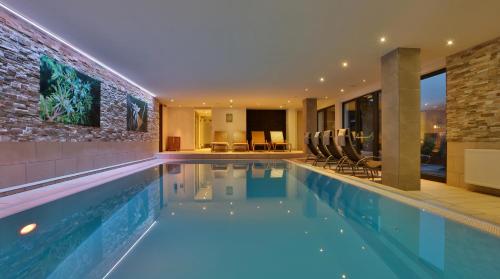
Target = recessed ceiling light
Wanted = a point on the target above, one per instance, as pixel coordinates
(321, 79)
(326, 97)
(281, 106)
(307, 89)
(345, 64)
(289, 101)
(231, 100)
(364, 80)
(342, 90)
(450, 42)
(27, 229)
(171, 100)
(382, 39)
(204, 103)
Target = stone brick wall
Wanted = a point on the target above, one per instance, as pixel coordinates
(32, 149)
(473, 106)
(473, 94)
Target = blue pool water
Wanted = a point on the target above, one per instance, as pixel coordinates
(239, 219)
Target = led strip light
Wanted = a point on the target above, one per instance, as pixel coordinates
(128, 251)
(43, 29)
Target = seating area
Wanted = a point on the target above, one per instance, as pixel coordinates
(337, 149)
(258, 142)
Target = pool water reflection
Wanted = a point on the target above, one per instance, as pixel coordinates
(239, 219)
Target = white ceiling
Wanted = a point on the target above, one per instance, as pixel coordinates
(260, 53)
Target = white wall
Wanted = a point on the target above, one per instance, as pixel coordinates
(300, 130)
(164, 127)
(291, 127)
(219, 120)
(181, 124)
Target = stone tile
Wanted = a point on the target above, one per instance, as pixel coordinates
(11, 175)
(102, 161)
(66, 166)
(20, 85)
(40, 170)
(73, 149)
(84, 163)
(16, 152)
(46, 151)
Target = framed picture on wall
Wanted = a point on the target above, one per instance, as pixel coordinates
(229, 117)
(68, 96)
(137, 114)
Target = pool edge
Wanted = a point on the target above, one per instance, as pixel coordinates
(459, 217)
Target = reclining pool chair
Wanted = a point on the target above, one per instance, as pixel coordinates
(220, 140)
(239, 141)
(314, 154)
(259, 139)
(355, 160)
(335, 154)
(321, 147)
(277, 139)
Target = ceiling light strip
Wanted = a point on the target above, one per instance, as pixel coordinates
(43, 29)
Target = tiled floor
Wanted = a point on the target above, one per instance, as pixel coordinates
(476, 205)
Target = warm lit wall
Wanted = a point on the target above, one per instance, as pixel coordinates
(164, 127)
(205, 130)
(473, 104)
(32, 149)
(219, 123)
(180, 123)
(292, 127)
(300, 131)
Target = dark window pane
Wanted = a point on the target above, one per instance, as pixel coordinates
(433, 127)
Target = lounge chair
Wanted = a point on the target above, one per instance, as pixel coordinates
(277, 139)
(240, 141)
(335, 153)
(321, 147)
(220, 140)
(315, 155)
(355, 160)
(259, 139)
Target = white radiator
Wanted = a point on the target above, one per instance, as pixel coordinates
(482, 167)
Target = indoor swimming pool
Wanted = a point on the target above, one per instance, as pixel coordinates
(238, 219)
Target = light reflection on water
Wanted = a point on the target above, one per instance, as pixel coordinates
(262, 219)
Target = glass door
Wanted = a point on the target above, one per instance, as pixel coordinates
(362, 117)
(433, 126)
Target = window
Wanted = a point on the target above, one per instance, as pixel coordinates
(362, 117)
(433, 126)
(326, 119)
